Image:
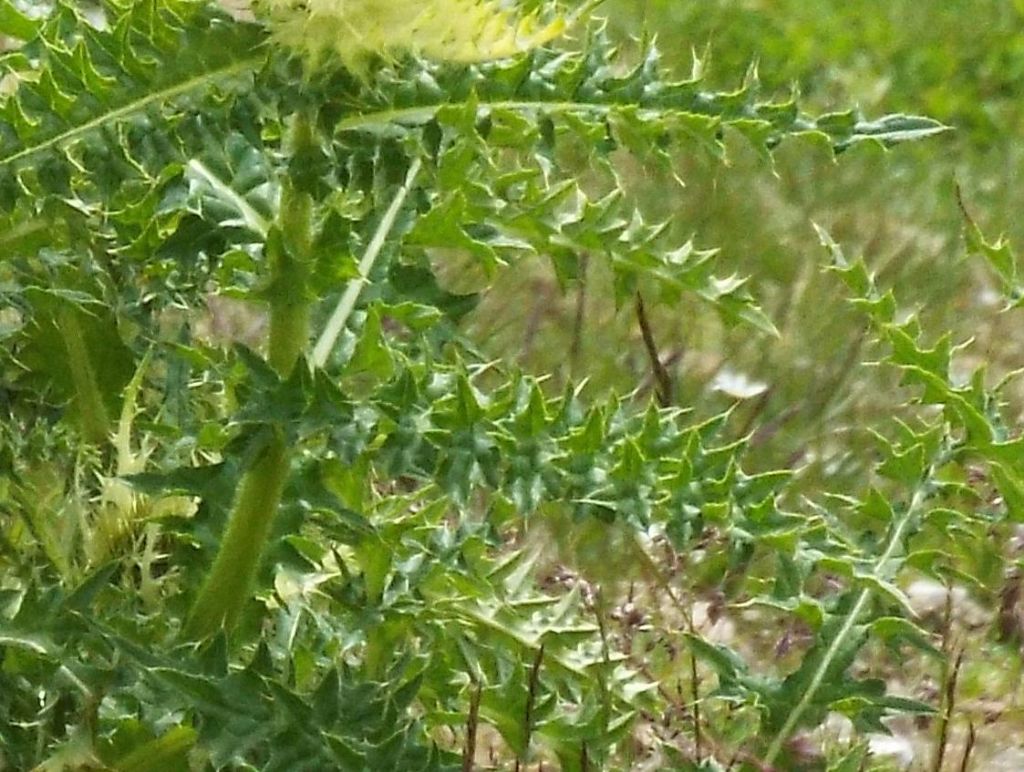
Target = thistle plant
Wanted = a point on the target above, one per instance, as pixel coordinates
(317, 544)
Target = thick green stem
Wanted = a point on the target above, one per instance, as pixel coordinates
(289, 255)
(92, 413)
(289, 331)
(227, 586)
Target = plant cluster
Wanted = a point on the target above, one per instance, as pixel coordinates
(265, 505)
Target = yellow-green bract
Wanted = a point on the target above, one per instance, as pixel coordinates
(452, 30)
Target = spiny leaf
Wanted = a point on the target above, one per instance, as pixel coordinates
(1000, 257)
(81, 118)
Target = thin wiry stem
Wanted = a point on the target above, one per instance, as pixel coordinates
(472, 724)
(972, 737)
(952, 675)
(531, 698)
(662, 379)
(329, 337)
(579, 319)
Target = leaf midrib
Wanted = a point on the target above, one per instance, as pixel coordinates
(137, 105)
(365, 120)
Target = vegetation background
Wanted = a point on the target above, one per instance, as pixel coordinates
(467, 637)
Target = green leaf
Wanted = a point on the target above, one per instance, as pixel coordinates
(851, 761)
(372, 355)
(104, 86)
(900, 630)
(168, 752)
(15, 24)
(1011, 487)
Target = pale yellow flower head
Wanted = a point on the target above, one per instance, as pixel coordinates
(450, 30)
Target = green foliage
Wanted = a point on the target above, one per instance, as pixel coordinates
(323, 535)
